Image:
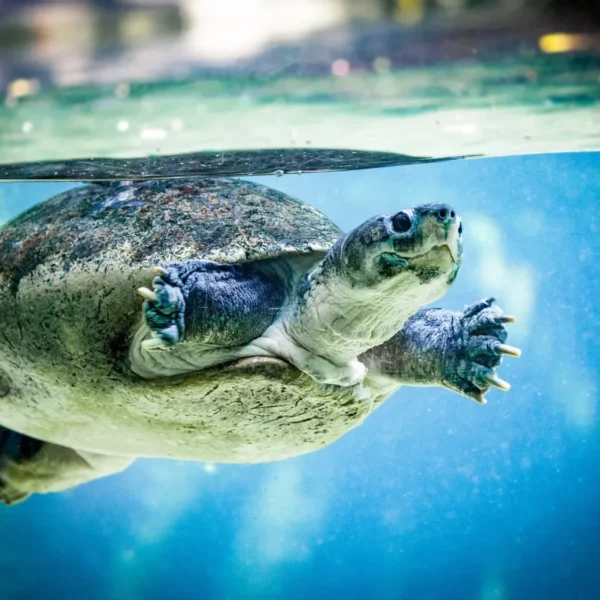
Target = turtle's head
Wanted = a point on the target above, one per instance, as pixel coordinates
(423, 242)
(374, 278)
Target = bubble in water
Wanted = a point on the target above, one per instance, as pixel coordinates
(340, 67)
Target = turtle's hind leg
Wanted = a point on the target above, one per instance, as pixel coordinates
(15, 448)
(29, 466)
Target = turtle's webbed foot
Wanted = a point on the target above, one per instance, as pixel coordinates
(481, 338)
(164, 310)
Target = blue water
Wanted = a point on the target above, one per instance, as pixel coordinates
(434, 496)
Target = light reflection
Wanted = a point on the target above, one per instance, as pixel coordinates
(410, 12)
(228, 30)
(554, 43)
(382, 64)
(463, 128)
(19, 88)
(340, 67)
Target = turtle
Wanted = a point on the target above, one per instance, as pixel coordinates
(218, 320)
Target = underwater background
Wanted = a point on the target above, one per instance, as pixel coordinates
(433, 496)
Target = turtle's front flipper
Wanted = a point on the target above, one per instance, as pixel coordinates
(457, 350)
(217, 310)
(29, 466)
(212, 303)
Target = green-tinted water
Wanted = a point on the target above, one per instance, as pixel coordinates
(545, 104)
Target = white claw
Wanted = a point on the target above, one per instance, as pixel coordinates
(497, 382)
(160, 271)
(147, 294)
(510, 350)
(154, 344)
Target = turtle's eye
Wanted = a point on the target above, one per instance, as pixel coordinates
(401, 222)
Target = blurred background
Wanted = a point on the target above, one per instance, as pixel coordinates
(64, 43)
(408, 76)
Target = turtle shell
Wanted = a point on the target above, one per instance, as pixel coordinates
(69, 270)
(130, 225)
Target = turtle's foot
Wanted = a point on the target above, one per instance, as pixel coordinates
(277, 343)
(164, 310)
(10, 495)
(479, 345)
(16, 450)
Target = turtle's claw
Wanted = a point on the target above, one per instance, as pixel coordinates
(508, 350)
(147, 294)
(164, 310)
(497, 382)
(507, 319)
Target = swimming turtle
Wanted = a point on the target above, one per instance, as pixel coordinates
(262, 331)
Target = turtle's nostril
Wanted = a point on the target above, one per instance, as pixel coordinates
(445, 214)
(460, 229)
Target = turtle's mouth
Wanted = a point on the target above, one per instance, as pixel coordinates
(453, 254)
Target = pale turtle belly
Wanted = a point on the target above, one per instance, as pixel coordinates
(257, 410)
